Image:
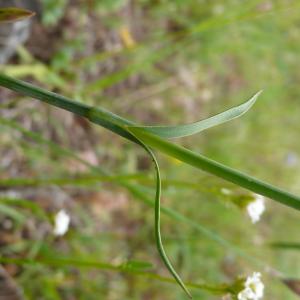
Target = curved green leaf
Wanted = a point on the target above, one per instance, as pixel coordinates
(157, 211)
(193, 128)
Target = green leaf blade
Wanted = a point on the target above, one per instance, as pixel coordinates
(157, 226)
(193, 128)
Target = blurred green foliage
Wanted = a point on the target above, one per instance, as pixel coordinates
(53, 11)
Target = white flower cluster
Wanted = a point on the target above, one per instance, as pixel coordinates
(254, 288)
(256, 208)
(61, 223)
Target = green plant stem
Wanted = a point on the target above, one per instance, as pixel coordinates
(96, 115)
(217, 169)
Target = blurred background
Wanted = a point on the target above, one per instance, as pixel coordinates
(154, 62)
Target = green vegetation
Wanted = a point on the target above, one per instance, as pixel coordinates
(196, 61)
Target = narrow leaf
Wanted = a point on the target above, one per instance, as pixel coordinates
(12, 14)
(157, 211)
(193, 128)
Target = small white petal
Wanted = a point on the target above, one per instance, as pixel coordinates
(246, 294)
(254, 288)
(256, 208)
(61, 223)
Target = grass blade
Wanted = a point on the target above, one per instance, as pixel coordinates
(157, 209)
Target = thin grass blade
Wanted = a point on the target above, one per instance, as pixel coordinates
(157, 211)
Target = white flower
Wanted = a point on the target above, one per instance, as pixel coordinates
(256, 208)
(254, 288)
(62, 222)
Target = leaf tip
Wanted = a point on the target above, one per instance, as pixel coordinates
(259, 92)
(13, 14)
(254, 98)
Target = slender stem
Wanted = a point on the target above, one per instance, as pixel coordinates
(215, 168)
(96, 115)
(45, 96)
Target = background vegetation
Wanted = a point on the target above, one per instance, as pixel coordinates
(156, 62)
